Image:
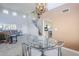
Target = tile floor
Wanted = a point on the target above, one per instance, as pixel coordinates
(16, 49)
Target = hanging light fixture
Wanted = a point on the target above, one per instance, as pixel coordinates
(40, 8)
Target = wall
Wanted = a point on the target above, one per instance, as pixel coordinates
(67, 24)
(24, 24)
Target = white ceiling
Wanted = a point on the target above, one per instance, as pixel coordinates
(26, 7)
(19, 7)
(51, 6)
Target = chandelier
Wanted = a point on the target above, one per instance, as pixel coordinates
(40, 8)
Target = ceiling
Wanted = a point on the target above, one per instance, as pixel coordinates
(19, 7)
(51, 6)
(26, 7)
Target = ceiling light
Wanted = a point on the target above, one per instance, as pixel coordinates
(5, 11)
(40, 8)
(24, 16)
(14, 13)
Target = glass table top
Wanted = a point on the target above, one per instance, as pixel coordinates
(42, 42)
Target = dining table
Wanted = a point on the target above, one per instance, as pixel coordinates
(42, 44)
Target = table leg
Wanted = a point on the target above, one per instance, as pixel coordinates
(16, 38)
(42, 53)
(11, 40)
(59, 51)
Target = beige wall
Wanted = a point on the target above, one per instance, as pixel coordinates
(67, 24)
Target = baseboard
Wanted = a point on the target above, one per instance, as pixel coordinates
(71, 50)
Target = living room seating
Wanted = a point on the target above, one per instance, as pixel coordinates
(4, 37)
(7, 36)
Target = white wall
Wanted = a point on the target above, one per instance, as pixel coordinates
(25, 25)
